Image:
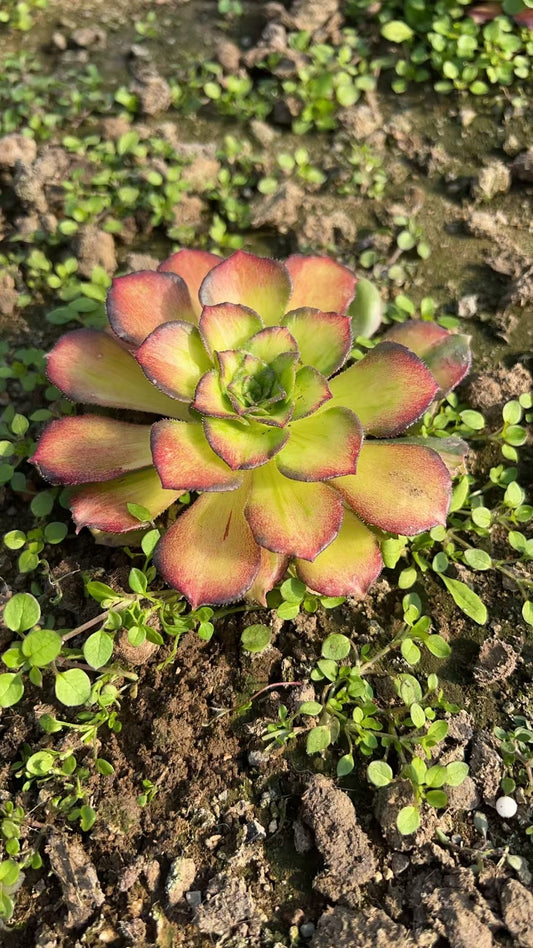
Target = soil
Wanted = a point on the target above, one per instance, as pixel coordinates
(238, 848)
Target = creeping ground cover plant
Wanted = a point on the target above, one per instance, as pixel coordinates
(290, 448)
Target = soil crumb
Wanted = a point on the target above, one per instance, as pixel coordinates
(345, 848)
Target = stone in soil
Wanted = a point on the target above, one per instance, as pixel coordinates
(89, 37)
(492, 180)
(30, 180)
(341, 927)
(154, 93)
(79, 883)
(463, 797)
(16, 147)
(229, 56)
(461, 728)
(517, 907)
(114, 126)
(343, 845)
(496, 661)
(201, 173)
(141, 261)
(228, 907)
(94, 248)
(280, 210)
(263, 133)
(361, 121)
(189, 212)
(312, 15)
(180, 879)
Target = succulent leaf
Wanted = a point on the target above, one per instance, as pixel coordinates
(139, 302)
(366, 310)
(324, 339)
(192, 266)
(311, 390)
(348, 566)
(174, 359)
(452, 450)
(185, 461)
(227, 326)
(288, 516)
(320, 283)
(105, 449)
(272, 342)
(446, 354)
(262, 284)
(401, 488)
(272, 569)
(105, 506)
(321, 446)
(210, 554)
(92, 367)
(244, 445)
(388, 389)
(210, 399)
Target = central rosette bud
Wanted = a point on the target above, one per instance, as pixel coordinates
(252, 384)
(255, 385)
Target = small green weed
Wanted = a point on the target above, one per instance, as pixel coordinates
(516, 748)
(349, 713)
(478, 512)
(17, 14)
(440, 41)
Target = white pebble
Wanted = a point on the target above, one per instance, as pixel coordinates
(506, 807)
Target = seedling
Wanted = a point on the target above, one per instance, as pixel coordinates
(349, 713)
(64, 779)
(476, 511)
(516, 748)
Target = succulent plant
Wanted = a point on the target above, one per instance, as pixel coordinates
(295, 459)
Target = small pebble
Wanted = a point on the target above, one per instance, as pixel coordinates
(59, 41)
(107, 935)
(193, 899)
(307, 930)
(213, 841)
(254, 830)
(506, 807)
(257, 759)
(399, 863)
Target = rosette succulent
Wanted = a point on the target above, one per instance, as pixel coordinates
(292, 459)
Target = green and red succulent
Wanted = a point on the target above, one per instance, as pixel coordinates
(295, 459)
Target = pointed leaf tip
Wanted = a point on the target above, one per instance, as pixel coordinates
(348, 566)
(292, 517)
(90, 448)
